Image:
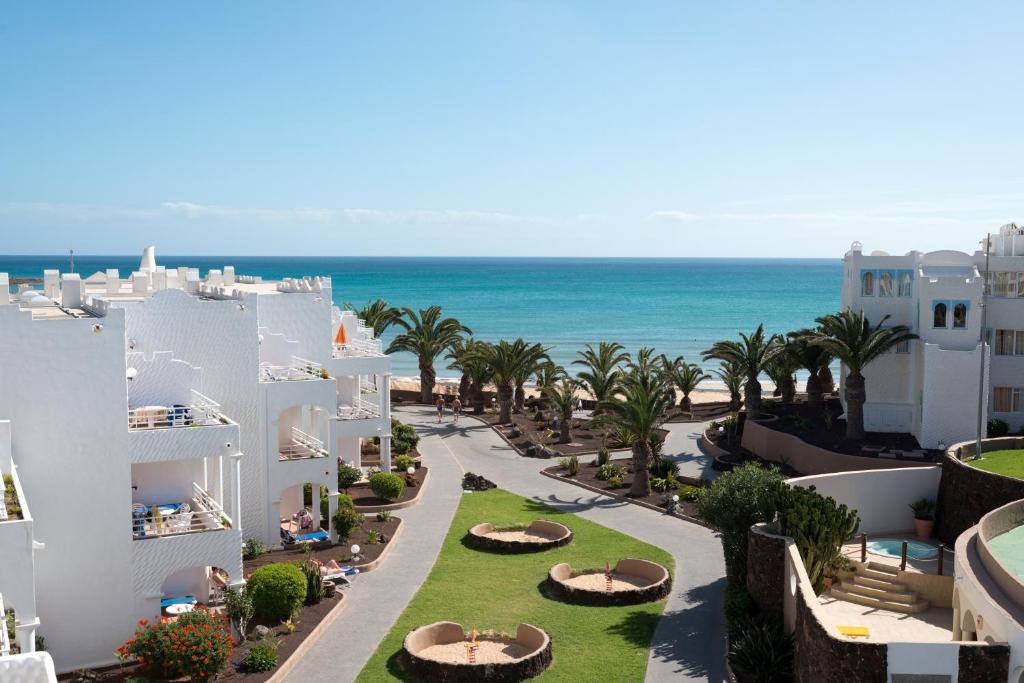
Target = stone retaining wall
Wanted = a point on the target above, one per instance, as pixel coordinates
(766, 570)
(966, 494)
(819, 657)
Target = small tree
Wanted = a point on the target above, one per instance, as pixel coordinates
(240, 609)
(562, 395)
(818, 525)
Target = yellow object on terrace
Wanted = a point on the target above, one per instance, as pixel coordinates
(854, 631)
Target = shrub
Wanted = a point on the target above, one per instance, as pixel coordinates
(603, 456)
(239, 608)
(664, 484)
(608, 470)
(739, 607)
(399, 447)
(689, 493)
(997, 427)
(196, 646)
(663, 467)
(763, 650)
(819, 526)
(615, 481)
(260, 658)
(924, 508)
(386, 485)
(253, 547)
(346, 520)
(314, 581)
(278, 591)
(403, 462)
(571, 465)
(345, 501)
(373, 537)
(403, 437)
(383, 516)
(732, 503)
(348, 475)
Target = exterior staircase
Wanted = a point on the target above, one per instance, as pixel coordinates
(877, 585)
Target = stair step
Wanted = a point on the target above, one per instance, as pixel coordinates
(880, 594)
(857, 599)
(869, 573)
(884, 568)
(880, 584)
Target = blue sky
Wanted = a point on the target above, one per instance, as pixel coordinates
(509, 128)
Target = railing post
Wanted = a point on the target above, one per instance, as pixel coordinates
(863, 547)
(942, 556)
(903, 557)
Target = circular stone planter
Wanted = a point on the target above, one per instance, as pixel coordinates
(539, 535)
(437, 652)
(633, 582)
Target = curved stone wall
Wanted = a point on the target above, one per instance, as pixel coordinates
(559, 535)
(659, 587)
(535, 640)
(966, 494)
(996, 523)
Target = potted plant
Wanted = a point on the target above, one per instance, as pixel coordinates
(924, 517)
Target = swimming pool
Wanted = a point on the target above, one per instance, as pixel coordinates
(893, 547)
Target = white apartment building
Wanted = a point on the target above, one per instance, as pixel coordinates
(930, 387)
(151, 423)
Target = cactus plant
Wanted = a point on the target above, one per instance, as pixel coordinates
(819, 526)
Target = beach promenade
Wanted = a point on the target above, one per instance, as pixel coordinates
(689, 642)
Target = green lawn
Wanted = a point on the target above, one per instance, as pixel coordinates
(1008, 463)
(497, 592)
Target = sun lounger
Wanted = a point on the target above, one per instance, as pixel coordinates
(854, 631)
(312, 537)
(183, 600)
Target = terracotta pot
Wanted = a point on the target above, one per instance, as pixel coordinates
(923, 528)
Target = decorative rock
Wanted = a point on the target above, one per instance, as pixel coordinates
(262, 631)
(474, 482)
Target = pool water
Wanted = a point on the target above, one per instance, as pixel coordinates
(893, 547)
(1009, 549)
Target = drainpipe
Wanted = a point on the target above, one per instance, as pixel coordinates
(981, 336)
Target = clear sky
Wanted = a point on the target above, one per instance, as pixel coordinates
(509, 128)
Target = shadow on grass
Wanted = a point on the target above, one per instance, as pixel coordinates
(637, 628)
(396, 667)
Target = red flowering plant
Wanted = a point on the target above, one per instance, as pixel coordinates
(198, 645)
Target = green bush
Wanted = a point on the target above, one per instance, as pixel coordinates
(253, 547)
(383, 516)
(314, 582)
(662, 467)
(403, 437)
(399, 447)
(608, 470)
(345, 501)
(735, 501)
(615, 481)
(259, 658)
(763, 651)
(387, 485)
(664, 485)
(348, 475)
(603, 456)
(571, 465)
(689, 493)
(819, 526)
(997, 428)
(239, 608)
(739, 607)
(346, 520)
(403, 462)
(278, 591)
(196, 647)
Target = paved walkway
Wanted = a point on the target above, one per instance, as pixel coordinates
(689, 642)
(683, 446)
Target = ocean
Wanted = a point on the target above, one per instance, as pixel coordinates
(680, 306)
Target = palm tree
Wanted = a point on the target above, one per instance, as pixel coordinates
(504, 361)
(427, 335)
(459, 355)
(752, 354)
(645, 360)
(377, 315)
(532, 356)
(548, 373)
(732, 376)
(685, 376)
(812, 358)
(780, 370)
(852, 339)
(602, 370)
(562, 395)
(639, 407)
(475, 367)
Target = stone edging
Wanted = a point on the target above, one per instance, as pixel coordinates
(709, 448)
(528, 666)
(285, 667)
(625, 499)
(494, 545)
(373, 564)
(396, 506)
(598, 598)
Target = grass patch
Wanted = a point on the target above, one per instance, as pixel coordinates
(1007, 463)
(498, 592)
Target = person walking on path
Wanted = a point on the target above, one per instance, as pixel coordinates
(456, 409)
(440, 408)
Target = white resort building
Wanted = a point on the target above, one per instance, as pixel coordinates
(930, 387)
(150, 423)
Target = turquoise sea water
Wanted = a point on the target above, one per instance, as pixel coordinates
(679, 306)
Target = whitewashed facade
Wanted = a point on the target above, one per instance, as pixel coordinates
(930, 387)
(128, 396)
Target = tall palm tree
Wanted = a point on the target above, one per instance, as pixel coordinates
(780, 370)
(812, 358)
(639, 407)
(851, 338)
(459, 354)
(645, 360)
(475, 367)
(562, 395)
(548, 373)
(601, 368)
(752, 354)
(427, 335)
(732, 376)
(531, 357)
(685, 376)
(505, 361)
(377, 314)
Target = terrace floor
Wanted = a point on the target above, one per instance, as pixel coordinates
(932, 626)
(852, 551)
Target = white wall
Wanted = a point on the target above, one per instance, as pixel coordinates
(881, 497)
(950, 396)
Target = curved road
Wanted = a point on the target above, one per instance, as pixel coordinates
(689, 641)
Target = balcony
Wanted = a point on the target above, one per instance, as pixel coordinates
(303, 446)
(198, 514)
(299, 369)
(367, 347)
(360, 409)
(200, 411)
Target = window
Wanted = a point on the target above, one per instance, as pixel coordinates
(1004, 284)
(1004, 342)
(960, 316)
(906, 283)
(1018, 347)
(867, 282)
(939, 315)
(903, 346)
(885, 284)
(1006, 399)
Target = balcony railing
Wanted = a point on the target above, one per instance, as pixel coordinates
(302, 446)
(359, 348)
(360, 409)
(298, 369)
(198, 514)
(200, 411)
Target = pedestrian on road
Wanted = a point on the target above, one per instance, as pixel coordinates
(456, 409)
(440, 408)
